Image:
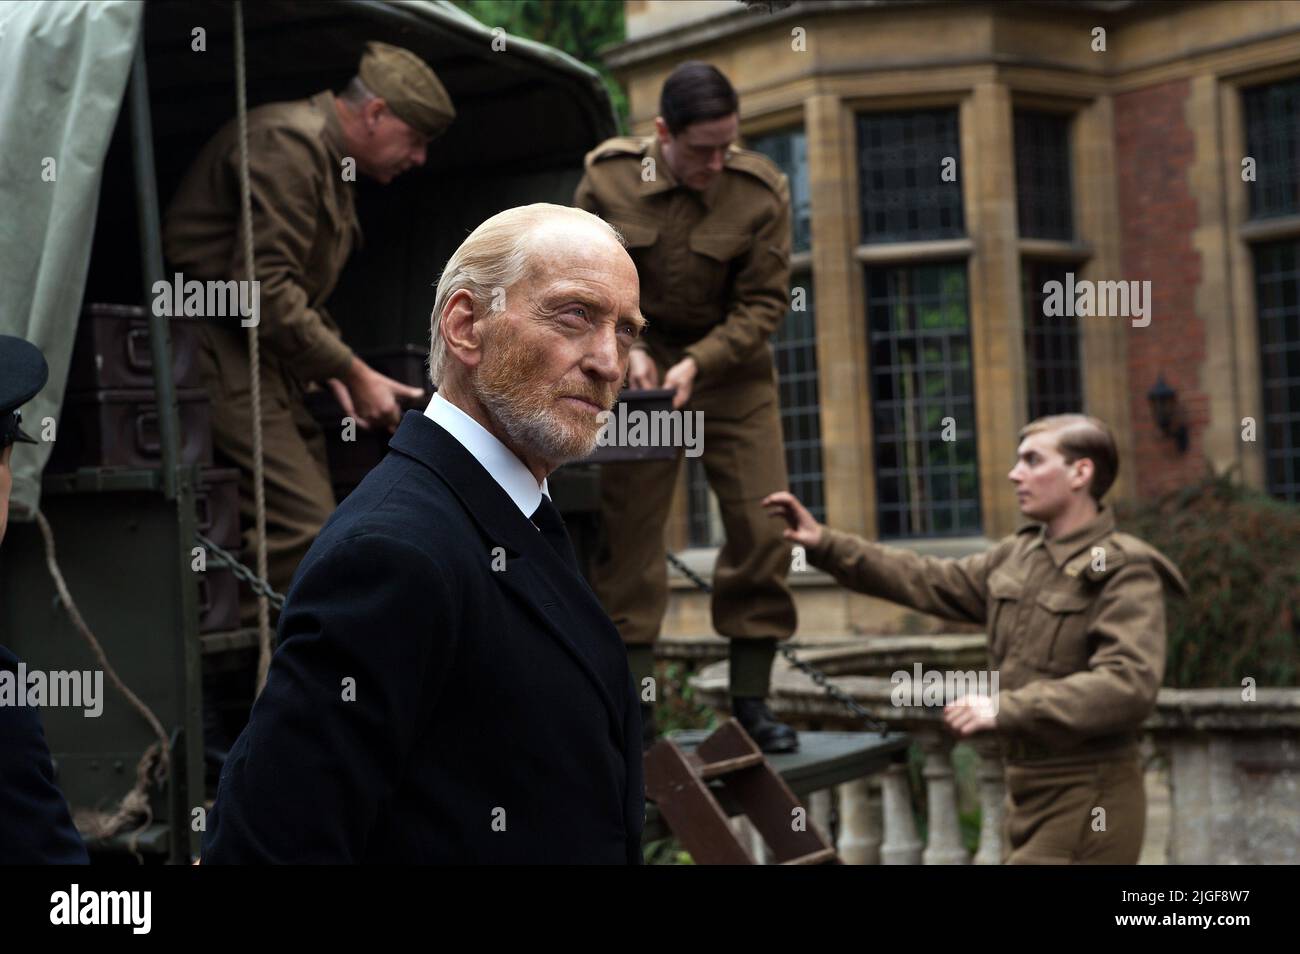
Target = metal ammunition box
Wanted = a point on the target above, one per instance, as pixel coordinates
(120, 429)
(218, 599)
(216, 503)
(112, 350)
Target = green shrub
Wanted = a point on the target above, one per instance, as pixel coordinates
(1239, 550)
(677, 707)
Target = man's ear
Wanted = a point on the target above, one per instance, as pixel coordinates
(371, 113)
(661, 130)
(1083, 471)
(462, 334)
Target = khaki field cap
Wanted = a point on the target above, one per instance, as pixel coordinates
(409, 86)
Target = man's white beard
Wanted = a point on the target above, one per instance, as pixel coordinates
(536, 430)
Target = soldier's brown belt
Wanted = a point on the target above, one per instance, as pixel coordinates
(1026, 750)
(1019, 750)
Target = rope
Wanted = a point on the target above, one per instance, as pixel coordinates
(155, 761)
(254, 355)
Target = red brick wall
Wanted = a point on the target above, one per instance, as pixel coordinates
(1157, 214)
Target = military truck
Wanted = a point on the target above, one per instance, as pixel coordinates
(130, 480)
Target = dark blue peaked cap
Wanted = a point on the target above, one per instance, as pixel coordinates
(23, 372)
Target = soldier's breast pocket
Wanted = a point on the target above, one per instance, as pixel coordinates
(1005, 593)
(1061, 618)
(717, 255)
(330, 248)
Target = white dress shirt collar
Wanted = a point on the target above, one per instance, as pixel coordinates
(497, 459)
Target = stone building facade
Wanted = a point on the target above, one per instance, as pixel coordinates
(948, 163)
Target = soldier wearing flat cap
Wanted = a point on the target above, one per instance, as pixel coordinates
(35, 827)
(304, 228)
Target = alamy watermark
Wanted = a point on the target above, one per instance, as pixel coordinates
(625, 427)
(929, 688)
(58, 688)
(1089, 299)
(208, 299)
(131, 909)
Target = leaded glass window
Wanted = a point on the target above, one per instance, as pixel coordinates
(918, 324)
(789, 150)
(1277, 290)
(1054, 374)
(796, 364)
(901, 164)
(1043, 196)
(1273, 141)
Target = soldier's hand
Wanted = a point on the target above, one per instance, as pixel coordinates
(802, 527)
(405, 392)
(681, 378)
(641, 370)
(340, 392)
(375, 396)
(971, 714)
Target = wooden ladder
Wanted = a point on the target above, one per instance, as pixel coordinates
(678, 783)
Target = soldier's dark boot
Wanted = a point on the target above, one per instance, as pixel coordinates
(772, 736)
(750, 677)
(649, 730)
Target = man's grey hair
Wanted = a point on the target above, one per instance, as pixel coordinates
(496, 255)
(356, 94)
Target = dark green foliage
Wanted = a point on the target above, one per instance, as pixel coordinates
(581, 28)
(677, 707)
(1239, 550)
(666, 851)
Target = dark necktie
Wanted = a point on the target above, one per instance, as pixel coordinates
(548, 520)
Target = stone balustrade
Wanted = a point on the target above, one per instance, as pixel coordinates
(1233, 763)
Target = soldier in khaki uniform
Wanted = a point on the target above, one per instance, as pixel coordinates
(708, 226)
(1076, 618)
(302, 161)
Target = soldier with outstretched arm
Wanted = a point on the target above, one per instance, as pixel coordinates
(1076, 620)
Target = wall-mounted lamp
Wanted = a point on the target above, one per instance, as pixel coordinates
(1164, 408)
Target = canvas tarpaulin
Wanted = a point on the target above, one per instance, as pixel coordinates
(63, 74)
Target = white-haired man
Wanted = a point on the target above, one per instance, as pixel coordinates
(447, 688)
